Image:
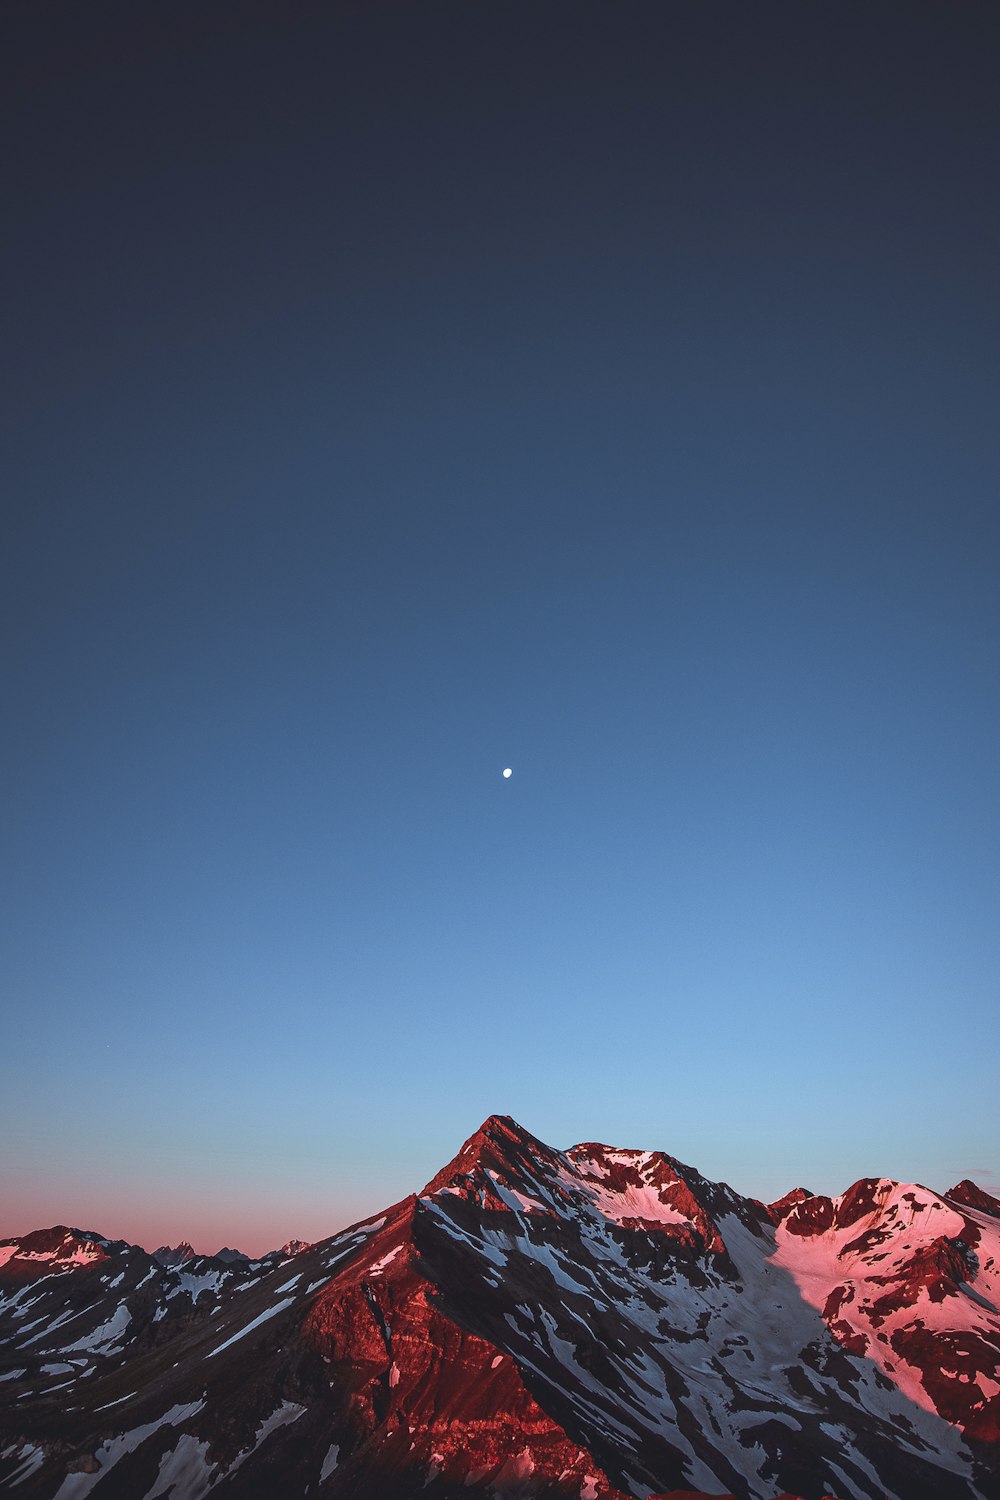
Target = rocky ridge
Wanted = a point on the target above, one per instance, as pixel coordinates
(593, 1323)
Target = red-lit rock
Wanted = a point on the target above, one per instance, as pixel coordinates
(587, 1324)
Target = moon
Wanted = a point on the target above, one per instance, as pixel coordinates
(508, 773)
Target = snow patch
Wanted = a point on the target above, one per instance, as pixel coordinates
(288, 1411)
(75, 1486)
(185, 1472)
(102, 1338)
(380, 1265)
(31, 1460)
(196, 1282)
(261, 1318)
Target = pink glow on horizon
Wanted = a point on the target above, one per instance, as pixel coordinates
(252, 1232)
(247, 1210)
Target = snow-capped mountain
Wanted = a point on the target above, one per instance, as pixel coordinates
(592, 1323)
(293, 1247)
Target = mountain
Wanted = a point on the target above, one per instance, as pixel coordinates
(292, 1247)
(593, 1323)
(184, 1252)
(175, 1256)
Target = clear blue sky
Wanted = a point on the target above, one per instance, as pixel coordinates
(392, 395)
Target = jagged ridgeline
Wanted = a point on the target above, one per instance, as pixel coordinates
(588, 1324)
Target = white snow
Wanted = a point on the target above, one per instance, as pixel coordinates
(102, 1338)
(32, 1459)
(184, 1472)
(351, 1239)
(82, 1255)
(630, 1202)
(721, 1338)
(75, 1486)
(380, 1265)
(820, 1263)
(64, 1317)
(288, 1411)
(196, 1282)
(261, 1318)
(513, 1198)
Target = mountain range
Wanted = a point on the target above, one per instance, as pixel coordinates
(590, 1324)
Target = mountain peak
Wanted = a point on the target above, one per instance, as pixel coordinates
(59, 1247)
(971, 1195)
(504, 1128)
(499, 1147)
(174, 1255)
(503, 1168)
(294, 1247)
(783, 1206)
(441, 1345)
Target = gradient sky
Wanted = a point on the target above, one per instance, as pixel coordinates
(395, 394)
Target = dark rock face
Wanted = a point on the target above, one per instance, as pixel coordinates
(176, 1256)
(594, 1323)
(783, 1206)
(971, 1196)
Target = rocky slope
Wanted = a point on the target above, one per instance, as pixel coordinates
(592, 1323)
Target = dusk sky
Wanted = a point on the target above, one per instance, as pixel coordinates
(393, 394)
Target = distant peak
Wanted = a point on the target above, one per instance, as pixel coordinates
(60, 1246)
(174, 1255)
(784, 1205)
(970, 1195)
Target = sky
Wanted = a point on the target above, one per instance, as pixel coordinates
(394, 394)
